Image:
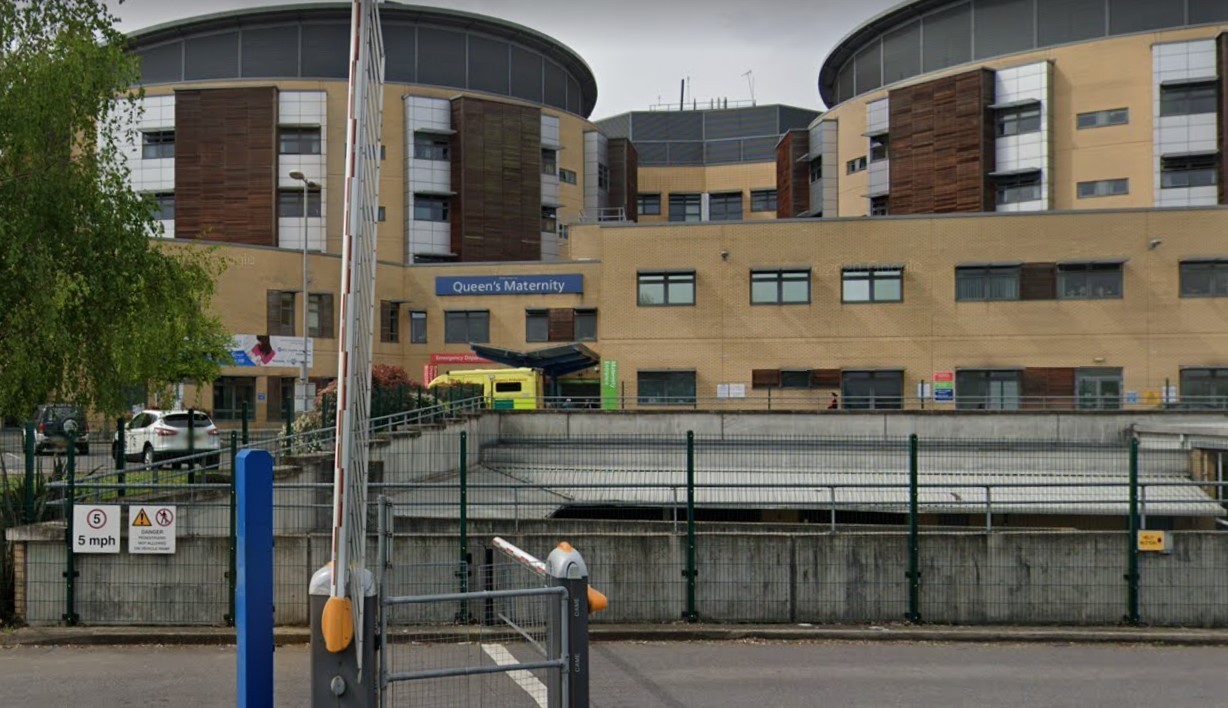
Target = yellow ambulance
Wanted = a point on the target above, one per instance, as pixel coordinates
(504, 389)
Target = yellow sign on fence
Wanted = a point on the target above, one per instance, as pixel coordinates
(1154, 541)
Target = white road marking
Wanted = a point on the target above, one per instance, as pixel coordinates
(526, 680)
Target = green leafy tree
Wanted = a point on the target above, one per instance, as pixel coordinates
(88, 303)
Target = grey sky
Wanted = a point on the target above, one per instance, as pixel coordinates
(640, 49)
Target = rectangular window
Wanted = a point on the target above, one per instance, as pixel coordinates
(465, 326)
(550, 221)
(816, 169)
(685, 207)
(1017, 120)
(1104, 188)
(665, 289)
(725, 207)
(298, 140)
(1089, 281)
(1204, 387)
(603, 176)
(878, 390)
(381, 214)
(536, 325)
(974, 283)
(795, 378)
(878, 206)
(389, 316)
(164, 205)
(281, 310)
(586, 324)
(779, 287)
(763, 200)
(569, 176)
(873, 284)
(648, 204)
(1188, 99)
(1098, 388)
(878, 147)
(550, 162)
(1013, 189)
(229, 395)
(855, 165)
(431, 208)
(1101, 119)
(417, 327)
(666, 388)
(157, 144)
(1205, 278)
(429, 146)
(1189, 171)
(981, 389)
(290, 203)
(320, 315)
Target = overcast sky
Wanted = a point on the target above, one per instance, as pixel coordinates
(640, 49)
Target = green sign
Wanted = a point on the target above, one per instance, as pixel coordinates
(609, 385)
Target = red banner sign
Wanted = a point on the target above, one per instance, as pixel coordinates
(458, 359)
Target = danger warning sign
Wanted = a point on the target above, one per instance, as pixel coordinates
(151, 529)
(142, 519)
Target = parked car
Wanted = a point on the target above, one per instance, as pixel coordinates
(153, 436)
(52, 424)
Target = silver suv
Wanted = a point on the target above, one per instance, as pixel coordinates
(153, 436)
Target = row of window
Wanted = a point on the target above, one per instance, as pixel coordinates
(722, 206)
(282, 313)
(291, 140)
(290, 204)
(466, 326)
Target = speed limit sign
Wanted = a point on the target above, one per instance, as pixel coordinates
(95, 529)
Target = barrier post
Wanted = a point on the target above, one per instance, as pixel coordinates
(254, 585)
(914, 546)
(566, 568)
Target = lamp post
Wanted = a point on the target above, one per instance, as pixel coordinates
(307, 185)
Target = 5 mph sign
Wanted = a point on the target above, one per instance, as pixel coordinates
(95, 529)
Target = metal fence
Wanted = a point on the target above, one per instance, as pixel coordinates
(733, 528)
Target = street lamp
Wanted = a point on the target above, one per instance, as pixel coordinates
(307, 186)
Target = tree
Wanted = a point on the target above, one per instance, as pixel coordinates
(89, 304)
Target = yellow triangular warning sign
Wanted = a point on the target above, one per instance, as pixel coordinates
(142, 519)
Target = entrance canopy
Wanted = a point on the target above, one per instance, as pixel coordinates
(553, 362)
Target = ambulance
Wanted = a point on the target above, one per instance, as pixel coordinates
(504, 389)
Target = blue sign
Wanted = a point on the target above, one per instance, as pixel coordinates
(944, 394)
(510, 284)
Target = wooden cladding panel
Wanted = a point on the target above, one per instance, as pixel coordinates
(760, 378)
(792, 174)
(496, 174)
(624, 181)
(226, 165)
(562, 324)
(825, 378)
(1048, 388)
(1038, 281)
(942, 145)
(1221, 50)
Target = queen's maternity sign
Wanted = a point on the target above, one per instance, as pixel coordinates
(510, 284)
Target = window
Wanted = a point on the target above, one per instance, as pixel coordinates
(229, 395)
(816, 169)
(1098, 388)
(873, 284)
(795, 378)
(381, 214)
(1088, 281)
(280, 396)
(1205, 278)
(586, 325)
(855, 165)
(320, 315)
(1101, 119)
(1104, 188)
(1180, 171)
(603, 176)
(464, 326)
(880, 390)
(569, 176)
(164, 208)
(298, 140)
(536, 325)
(431, 208)
(666, 288)
(1013, 189)
(417, 327)
(428, 146)
(508, 386)
(1188, 99)
(648, 204)
(779, 287)
(666, 388)
(725, 207)
(878, 205)
(684, 207)
(763, 200)
(550, 162)
(563, 232)
(550, 221)
(1204, 387)
(389, 314)
(290, 203)
(987, 283)
(1017, 120)
(878, 147)
(157, 144)
(979, 389)
(280, 312)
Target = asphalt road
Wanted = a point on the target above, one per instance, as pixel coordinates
(708, 674)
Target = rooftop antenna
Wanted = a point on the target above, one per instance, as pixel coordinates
(750, 80)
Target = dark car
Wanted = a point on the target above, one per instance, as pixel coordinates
(52, 424)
